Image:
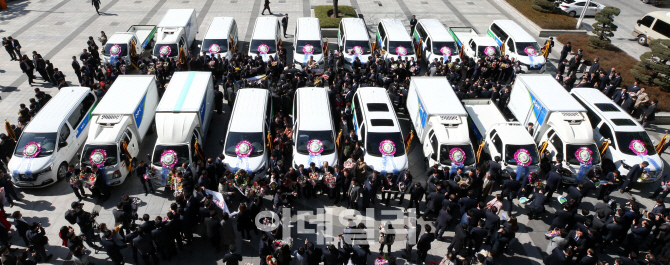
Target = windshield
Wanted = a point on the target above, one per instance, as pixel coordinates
(124, 49)
(181, 150)
(169, 50)
(393, 45)
(437, 47)
(511, 149)
(112, 154)
(326, 138)
(572, 148)
(47, 142)
(207, 45)
(623, 140)
(316, 44)
(521, 47)
(272, 46)
(256, 139)
(445, 149)
(350, 44)
(481, 49)
(375, 139)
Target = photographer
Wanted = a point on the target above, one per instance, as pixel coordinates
(38, 239)
(85, 220)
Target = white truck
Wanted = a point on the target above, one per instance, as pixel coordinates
(175, 32)
(560, 124)
(472, 44)
(132, 43)
(182, 121)
(499, 138)
(119, 124)
(440, 122)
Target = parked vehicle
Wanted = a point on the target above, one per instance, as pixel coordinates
(176, 33)
(353, 41)
(119, 125)
(221, 38)
(654, 25)
(393, 41)
(473, 45)
(307, 42)
(52, 138)
(629, 143)
(313, 129)
(435, 41)
(266, 38)
(575, 8)
(518, 44)
(559, 122)
(132, 43)
(440, 122)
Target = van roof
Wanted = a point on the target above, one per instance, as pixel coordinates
(163, 37)
(265, 28)
(513, 29)
(485, 41)
(662, 15)
(120, 37)
(438, 96)
(176, 18)
(54, 113)
(598, 102)
(314, 110)
(185, 93)
(124, 95)
(219, 28)
(309, 28)
(552, 95)
(355, 28)
(436, 30)
(368, 95)
(395, 30)
(249, 110)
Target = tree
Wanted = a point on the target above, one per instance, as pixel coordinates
(547, 6)
(604, 27)
(335, 11)
(654, 66)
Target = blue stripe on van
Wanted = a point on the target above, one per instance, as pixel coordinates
(184, 92)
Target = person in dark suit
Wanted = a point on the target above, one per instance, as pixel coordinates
(554, 180)
(9, 48)
(460, 239)
(562, 217)
(101, 188)
(424, 243)
(16, 45)
(510, 188)
(416, 195)
(264, 248)
(595, 66)
(27, 68)
(467, 203)
(589, 259)
(620, 96)
(478, 235)
(412, 24)
(96, 4)
(614, 229)
(628, 104)
(405, 179)
(492, 220)
(442, 222)
(164, 242)
(266, 6)
(649, 114)
(638, 233)
(145, 247)
(141, 170)
(633, 174)
(232, 258)
(76, 67)
(354, 194)
(148, 225)
(558, 257)
(575, 193)
(577, 242)
(331, 256)
(434, 202)
(284, 23)
(22, 226)
(113, 249)
(536, 206)
(78, 188)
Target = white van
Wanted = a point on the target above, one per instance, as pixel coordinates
(266, 38)
(376, 125)
(393, 40)
(353, 41)
(249, 125)
(518, 44)
(52, 138)
(176, 31)
(313, 129)
(655, 25)
(307, 42)
(221, 38)
(611, 123)
(435, 40)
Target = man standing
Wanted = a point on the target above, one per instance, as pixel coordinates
(112, 248)
(663, 189)
(16, 45)
(423, 245)
(36, 237)
(27, 67)
(77, 187)
(9, 48)
(633, 174)
(353, 194)
(96, 4)
(218, 102)
(267, 6)
(142, 171)
(649, 114)
(145, 246)
(284, 23)
(412, 24)
(566, 50)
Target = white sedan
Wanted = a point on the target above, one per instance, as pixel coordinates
(574, 8)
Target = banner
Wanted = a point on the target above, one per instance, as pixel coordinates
(218, 200)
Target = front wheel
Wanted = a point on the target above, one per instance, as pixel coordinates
(572, 13)
(642, 40)
(62, 170)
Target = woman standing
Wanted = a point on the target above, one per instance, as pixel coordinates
(386, 237)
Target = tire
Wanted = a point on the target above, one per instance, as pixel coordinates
(572, 13)
(62, 169)
(645, 1)
(152, 129)
(642, 40)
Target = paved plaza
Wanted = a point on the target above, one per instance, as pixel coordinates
(58, 29)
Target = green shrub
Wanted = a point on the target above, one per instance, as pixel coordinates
(558, 20)
(323, 14)
(547, 6)
(604, 27)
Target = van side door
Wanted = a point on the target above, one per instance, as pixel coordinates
(66, 144)
(131, 141)
(430, 148)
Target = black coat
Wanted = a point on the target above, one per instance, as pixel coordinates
(553, 179)
(112, 248)
(232, 259)
(425, 241)
(434, 201)
(144, 243)
(557, 257)
(562, 218)
(443, 219)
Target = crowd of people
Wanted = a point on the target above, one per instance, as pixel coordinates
(464, 201)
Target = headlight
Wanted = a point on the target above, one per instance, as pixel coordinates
(116, 175)
(46, 170)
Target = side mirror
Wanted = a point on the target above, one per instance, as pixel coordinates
(62, 144)
(639, 22)
(221, 142)
(149, 157)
